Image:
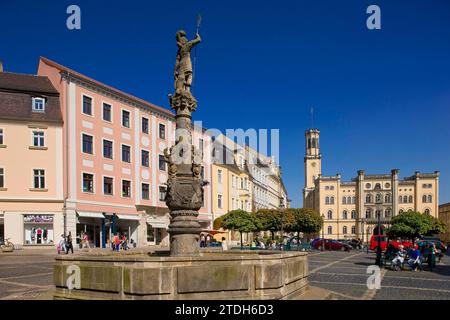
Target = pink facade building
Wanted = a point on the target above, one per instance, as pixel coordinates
(113, 160)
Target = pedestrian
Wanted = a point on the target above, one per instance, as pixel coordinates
(124, 242)
(69, 245)
(432, 257)
(224, 244)
(86, 241)
(62, 244)
(208, 240)
(117, 242)
(202, 241)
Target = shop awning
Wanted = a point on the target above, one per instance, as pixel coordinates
(160, 225)
(128, 217)
(86, 214)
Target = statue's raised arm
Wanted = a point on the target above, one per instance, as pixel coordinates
(183, 65)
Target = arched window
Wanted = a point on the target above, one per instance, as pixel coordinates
(368, 198)
(430, 198)
(349, 200)
(353, 230)
(332, 200)
(354, 200)
(387, 198)
(330, 230)
(378, 198)
(378, 214)
(309, 143)
(387, 213)
(344, 229)
(424, 199)
(330, 214)
(410, 199)
(377, 186)
(327, 200)
(400, 211)
(353, 214)
(368, 214)
(344, 200)
(427, 212)
(344, 215)
(405, 199)
(400, 199)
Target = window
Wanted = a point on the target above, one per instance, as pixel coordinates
(145, 191)
(344, 229)
(126, 153)
(353, 230)
(354, 200)
(219, 201)
(330, 215)
(87, 105)
(344, 215)
(107, 149)
(400, 211)
(353, 214)
(144, 125)
(107, 112)
(377, 186)
(405, 199)
(38, 104)
(344, 200)
(378, 214)
(410, 199)
(332, 200)
(330, 230)
(233, 183)
(125, 118)
(400, 199)
(378, 198)
(38, 139)
(219, 176)
(427, 212)
(387, 185)
(162, 163)
(327, 200)
(387, 198)
(126, 188)
(202, 173)
(162, 131)
(430, 198)
(108, 186)
(88, 182)
(2, 178)
(200, 147)
(87, 144)
(368, 185)
(368, 214)
(349, 200)
(424, 199)
(387, 213)
(162, 193)
(1, 136)
(39, 178)
(368, 198)
(145, 158)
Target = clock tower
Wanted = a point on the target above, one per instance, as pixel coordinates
(313, 166)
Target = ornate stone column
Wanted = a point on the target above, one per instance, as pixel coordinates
(185, 185)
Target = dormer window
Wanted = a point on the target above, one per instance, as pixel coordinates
(38, 104)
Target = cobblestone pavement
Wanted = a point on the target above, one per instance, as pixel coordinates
(345, 275)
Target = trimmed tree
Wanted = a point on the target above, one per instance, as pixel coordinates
(240, 220)
(269, 220)
(302, 220)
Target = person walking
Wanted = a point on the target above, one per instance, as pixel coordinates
(116, 242)
(86, 241)
(124, 242)
(69, 245)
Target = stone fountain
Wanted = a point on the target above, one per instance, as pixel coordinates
(185, 272)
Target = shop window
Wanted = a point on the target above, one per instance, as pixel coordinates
(38, 139)
(87, 105)
(107, 112)
(88, 182)
(39, 178)
(145, 191)
(38, 229)
(126, 188)
(145, 125)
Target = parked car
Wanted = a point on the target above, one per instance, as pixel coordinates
(332, 245)
(384, 242)
(441, 248)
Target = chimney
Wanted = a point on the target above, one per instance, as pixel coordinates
(1, 66)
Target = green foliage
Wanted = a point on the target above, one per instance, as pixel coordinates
(269, 220)
(217, 223)
(411, 224)
(302, 220)
(239, 220)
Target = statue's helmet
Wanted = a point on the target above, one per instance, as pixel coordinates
(181, 34)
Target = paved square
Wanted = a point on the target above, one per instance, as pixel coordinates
(345, 274)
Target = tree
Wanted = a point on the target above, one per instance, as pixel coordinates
(412, 224)
(302, 220)
(217, 223)
(240, 220)
(269, 220)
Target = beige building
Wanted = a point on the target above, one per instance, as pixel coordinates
(444, 215)
(31, 161)
(351, 208)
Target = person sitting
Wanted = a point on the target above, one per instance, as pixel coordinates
(397, 262)
(414, 260)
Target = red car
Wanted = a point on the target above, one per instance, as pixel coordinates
(384, 242)
(332, 245)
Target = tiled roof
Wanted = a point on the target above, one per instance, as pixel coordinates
(17, 92)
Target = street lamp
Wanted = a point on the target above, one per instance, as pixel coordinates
(378, 259)
(323, 232)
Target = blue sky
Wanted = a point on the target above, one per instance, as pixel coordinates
(381, 98)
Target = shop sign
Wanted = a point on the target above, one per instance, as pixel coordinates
(44, 219)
